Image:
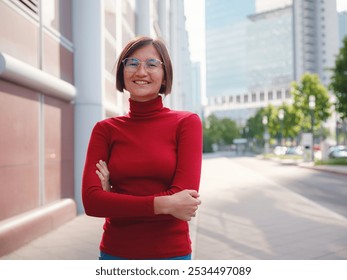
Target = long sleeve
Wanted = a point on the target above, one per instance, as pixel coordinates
(189, 156)
(96, 201)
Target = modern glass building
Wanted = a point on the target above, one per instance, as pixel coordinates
(256, 48)
(226, 25)
(342, 26)
(270, 49)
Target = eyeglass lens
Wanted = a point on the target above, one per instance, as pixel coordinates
(151, 65)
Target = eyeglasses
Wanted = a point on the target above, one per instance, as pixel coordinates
(152, 65)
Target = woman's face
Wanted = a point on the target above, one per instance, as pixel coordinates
(142, 84)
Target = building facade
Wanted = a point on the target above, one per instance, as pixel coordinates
(263, 49)
(56, 81)
(342, 26)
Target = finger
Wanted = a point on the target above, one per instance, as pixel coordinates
(102, 169)
(100, 166)
(101, 177)
(193, 193)
(103, 164)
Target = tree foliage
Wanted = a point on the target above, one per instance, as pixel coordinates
(339, 80)
(255, 127)
(296, 117)
(310, 85)
(288, 127)
(270, 112)
(219, 131)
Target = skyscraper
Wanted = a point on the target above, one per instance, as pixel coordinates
(342, 26)
(226, 37)
(254, 49)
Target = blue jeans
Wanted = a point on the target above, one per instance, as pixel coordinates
(104, 256)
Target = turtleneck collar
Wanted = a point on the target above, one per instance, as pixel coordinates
(145, 109)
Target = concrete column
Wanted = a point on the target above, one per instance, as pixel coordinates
(162, 20)
(143, 18)
(89, 79)
(174, 52)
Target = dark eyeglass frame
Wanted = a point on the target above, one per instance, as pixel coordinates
(152, 65)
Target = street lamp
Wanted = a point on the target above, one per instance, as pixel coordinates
(281, 116)
(266, 134)
(312, 105)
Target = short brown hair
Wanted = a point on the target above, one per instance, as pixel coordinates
(136, 44)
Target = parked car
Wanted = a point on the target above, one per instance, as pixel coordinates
(339, 151)
(297, 150)
(280, 150)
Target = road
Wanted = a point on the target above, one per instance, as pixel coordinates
(326, 189)
(258, 209)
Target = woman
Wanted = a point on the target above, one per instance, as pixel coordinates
(148, 163)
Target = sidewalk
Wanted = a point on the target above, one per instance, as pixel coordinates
(337, 169)
(75, 240)
(242, 217)
(245, 215)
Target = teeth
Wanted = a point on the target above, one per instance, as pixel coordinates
(141, 82)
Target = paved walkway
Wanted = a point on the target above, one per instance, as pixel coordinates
(246, 216)
(248, 222)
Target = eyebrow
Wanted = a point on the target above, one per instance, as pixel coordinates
(151, 58)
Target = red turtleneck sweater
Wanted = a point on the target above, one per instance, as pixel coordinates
(151, 151)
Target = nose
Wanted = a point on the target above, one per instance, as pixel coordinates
(141, 69)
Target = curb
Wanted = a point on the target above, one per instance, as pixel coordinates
(308, 165)
(317, 168)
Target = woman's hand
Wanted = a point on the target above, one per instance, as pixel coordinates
(182, 205)
(104, 175)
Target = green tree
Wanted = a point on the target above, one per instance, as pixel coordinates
(289, 126)
(211, 128)
(219, 131)
(255, 128)
(310, 85)
(271, 113)
(339, 80)
(229, 131)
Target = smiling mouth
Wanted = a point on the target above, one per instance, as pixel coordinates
(141, 82)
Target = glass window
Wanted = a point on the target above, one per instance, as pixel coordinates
(262, 96)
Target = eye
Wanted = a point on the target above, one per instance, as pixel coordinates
(132, 62)
(153, 63)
